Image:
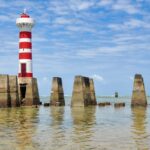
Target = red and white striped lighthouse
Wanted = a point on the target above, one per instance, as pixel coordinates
(25, 24)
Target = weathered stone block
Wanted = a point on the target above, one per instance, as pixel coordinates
(13, 83)
(4, 100)
(86, 90)
(78, 94)
(28, 91)
(13, 91)
(83, 92)
(138, 94)
(57, 93)
(36, 97)
(4, 83)
(92, 92)
(4, 91)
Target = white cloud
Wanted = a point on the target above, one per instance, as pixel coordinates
(80, 29)
(80, 5)
(126, 6)
(135, 23)
(105, 2)
(62, 21)
(97, 78)
(85, 5)
(130, 24)
(69, 7)
(91, 53)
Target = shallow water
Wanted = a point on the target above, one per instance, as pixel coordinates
(65, 128)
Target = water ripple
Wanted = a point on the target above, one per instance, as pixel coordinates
(65, 128)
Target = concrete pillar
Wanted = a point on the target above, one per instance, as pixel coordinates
(28, 91)
(13, 91)
(92, 92)
(139, 94)
(83, 92)
(4, 91)
(57, 93)
(36, 97)
(78, 98)
(86, 91)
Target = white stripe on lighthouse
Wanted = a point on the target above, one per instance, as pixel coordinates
(25, 50)
(28, 65)
(25, 40)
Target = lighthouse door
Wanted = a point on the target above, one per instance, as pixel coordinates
(23, 69)
(22, 92)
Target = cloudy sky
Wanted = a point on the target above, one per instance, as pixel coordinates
(108, 40)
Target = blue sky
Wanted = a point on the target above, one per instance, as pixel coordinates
(108, 40)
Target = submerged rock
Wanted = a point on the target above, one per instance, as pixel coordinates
(104, 104)
(121, 104)
(46, 104)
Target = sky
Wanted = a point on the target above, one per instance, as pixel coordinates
(108, 40)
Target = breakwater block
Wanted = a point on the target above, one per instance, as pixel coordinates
(9, 91)
(4, 91)
(18, 91)
(28, 91)
(119, 105)
(46, 104)
(57, 93)
(102, 104)
(36, 97)
(138, 94)
(92, 92)
(13, 91)
(83, 92)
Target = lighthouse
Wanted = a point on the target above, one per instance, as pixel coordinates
(25, 24)
(28, 89)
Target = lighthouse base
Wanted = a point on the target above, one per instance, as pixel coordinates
(9, 91)
(28, 91)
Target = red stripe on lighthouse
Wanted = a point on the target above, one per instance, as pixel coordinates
(25, 34)
(25, 75)
(25, 55)
(25, 15)
(25, 45)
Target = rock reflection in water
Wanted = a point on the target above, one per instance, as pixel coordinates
(57, 114)
(139, 129)
(58, 132)
(75, 128)
(27, 119)
(19, 125)
(83, 126)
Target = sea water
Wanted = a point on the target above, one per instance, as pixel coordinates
(78, 128)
